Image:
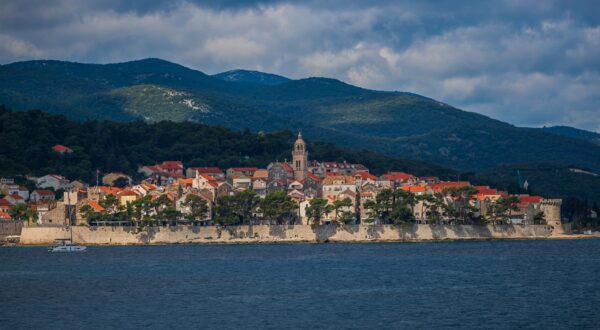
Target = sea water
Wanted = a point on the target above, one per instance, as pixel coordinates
(477, 284)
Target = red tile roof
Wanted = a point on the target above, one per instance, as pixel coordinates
(44, 192)
(398, 176)
(95, 205)
(438, 187)
(314, 177)
(60, 148)
(244, 169)
(365, 176)
(127, 193)
(530, 199)
(414, 188)
(207, 170)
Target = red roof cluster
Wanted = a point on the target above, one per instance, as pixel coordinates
(398, 176)
(244, 169)
(438, 187)
(207, 170)
(364, 176)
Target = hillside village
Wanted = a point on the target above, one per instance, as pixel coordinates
(302, 191)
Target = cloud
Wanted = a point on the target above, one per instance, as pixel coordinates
(533, 63)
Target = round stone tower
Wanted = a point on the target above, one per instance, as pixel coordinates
(551, 209)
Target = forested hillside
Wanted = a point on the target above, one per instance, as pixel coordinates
(117, 146)
(398, 124)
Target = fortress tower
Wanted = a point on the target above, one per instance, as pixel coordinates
(551, 209)
(299, 158)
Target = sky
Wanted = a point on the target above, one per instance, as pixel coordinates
(529, 63)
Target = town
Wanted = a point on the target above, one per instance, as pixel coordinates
(302, 191)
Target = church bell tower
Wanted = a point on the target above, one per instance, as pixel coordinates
(299, 158)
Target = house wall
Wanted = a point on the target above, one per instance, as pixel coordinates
(274, 234)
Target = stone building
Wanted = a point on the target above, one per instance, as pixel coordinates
(299, 158)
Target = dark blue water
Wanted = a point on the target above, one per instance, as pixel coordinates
(495, 284)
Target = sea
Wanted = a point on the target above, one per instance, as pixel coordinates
(539, 284)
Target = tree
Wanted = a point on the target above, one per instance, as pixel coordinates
(539, 218)
(426, 201)
(141, 210)
(198, 207)
(391, 206)
(246, 203)
(341, 204)
(461, 209)
(277, 207)
(237, 209)
(225, 213)
(111, 204)
(20, 212)
(503, 208)
(89, 214)
(316, 209)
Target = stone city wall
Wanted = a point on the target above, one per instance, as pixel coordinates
(281, 234)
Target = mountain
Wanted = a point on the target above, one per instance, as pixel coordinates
(574, 133)
(254, 77)
(398, 124)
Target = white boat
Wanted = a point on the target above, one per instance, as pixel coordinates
(66, 245)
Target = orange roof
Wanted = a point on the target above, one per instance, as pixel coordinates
(110, 190)
(393, 176)
(5, 216)
(365, 176)
(346, 179)
(208, 177)
(127, 193)
(530, 199)
(486, 190)
(438, 187)
(187, 182)
(261, 174)
(97, 207)
(414, 188)
(314, 177)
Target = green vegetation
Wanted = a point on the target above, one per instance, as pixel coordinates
(114, 146)
(317, 210)
(397, 124)
(278, 208)
(574, 133)
(391, 207)
(248, 76)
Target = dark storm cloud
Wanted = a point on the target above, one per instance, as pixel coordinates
(525, 62)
